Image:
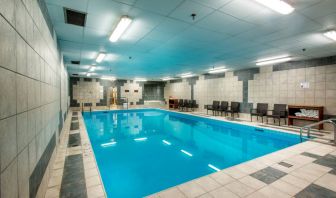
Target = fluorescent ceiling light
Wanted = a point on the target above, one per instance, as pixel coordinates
(187, 75)
(92, 69)
(214, 167)
(273, 60)
(166, 78)
(140, 139)
(277, 5)
(100, 57)
(109, 144)
(124, 22)
(330, 34)
(140, 79)
(166, 142)
(187, 153)
(111, 78)
(217, 70)
(88, 74)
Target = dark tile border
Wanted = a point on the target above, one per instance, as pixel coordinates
(268, 175)
(74, 140)
(305, 63)
(74, 126)
(36, 177)
(314, 190)
(311, 155)
(328, 160)
(73, 180)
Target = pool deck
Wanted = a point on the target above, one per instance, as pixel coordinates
(304, 170)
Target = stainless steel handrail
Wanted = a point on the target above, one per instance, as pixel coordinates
(308, 127)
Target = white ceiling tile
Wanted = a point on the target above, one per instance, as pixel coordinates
(69, 32)
(56, 13)
(242, 8)
(80, 5)
(217, 21)
(108, 7)
(231, 32)
(328, 21)
(92, 36)
(172, 26)
(160, 7)
(320, 9)
(216, 4)
(184, 11)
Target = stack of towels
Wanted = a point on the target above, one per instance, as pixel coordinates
(307, 113)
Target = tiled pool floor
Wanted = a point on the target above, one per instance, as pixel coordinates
(304, 170)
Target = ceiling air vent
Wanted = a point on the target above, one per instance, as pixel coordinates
(74, 17)
(75, 62)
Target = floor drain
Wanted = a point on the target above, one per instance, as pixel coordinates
(285, 164)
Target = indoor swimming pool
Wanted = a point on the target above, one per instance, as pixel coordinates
(140, 152)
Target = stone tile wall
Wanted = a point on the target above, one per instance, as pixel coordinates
(269, 84)
(131, 86)
(31, 77)
(206, 89)
(177, 89)
(227, 88)
(284, 87)
(85, 91)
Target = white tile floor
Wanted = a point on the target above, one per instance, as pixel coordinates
(231, 182)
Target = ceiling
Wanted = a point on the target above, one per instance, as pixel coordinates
(163, 40)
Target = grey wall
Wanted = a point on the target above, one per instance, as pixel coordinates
(153, 91)
(31, 106)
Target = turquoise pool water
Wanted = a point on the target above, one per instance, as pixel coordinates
(140, 152)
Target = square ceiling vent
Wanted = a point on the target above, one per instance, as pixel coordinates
(75, 62)
(74, 17)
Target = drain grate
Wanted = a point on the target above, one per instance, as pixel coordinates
(285, 164)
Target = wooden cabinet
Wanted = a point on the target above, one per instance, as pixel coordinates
(292, 109)
(173, 103)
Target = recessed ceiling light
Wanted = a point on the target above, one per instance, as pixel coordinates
(124, 22)
(100, 57)
(187, 75)
(217, 70)
(268, 61)
(166, 78)
(111, 78)
(277, 5)
(330, 34)
(140, 79)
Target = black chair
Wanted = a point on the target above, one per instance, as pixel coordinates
(180, 104)
(279, 111)
(186, 104)
(260, 111)
(223, 107)
(214, 107)
(234, 108)
(193, 104)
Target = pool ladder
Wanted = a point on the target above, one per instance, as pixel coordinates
(309, 127)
